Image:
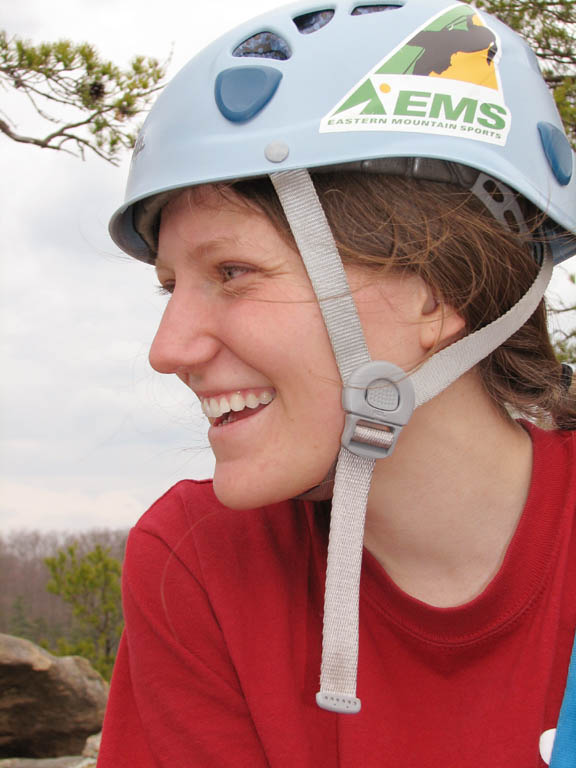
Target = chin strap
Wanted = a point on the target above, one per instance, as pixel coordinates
(379, 399)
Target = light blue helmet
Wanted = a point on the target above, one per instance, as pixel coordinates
(425, 88)
(315, 85)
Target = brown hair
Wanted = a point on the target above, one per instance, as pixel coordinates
(445, 235)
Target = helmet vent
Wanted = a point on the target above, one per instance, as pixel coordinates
(264, 45)
(312, 22)
(494, 191)
(512, 221)
(362, 10)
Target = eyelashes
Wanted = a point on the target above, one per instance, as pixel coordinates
(225, 273)
(231, 271)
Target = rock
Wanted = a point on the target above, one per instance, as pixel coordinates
(49, 705)
(56, 762)
(92, 746)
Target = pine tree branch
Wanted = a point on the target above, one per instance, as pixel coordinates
(59, 77)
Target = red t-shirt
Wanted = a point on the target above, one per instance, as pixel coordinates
(219, 664)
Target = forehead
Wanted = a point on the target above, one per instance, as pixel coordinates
(205, 216)
(209, 198)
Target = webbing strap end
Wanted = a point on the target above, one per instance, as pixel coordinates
(342, 703)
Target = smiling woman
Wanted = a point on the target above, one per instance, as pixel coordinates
(362, 320)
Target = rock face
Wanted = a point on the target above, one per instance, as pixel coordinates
(92, 746)
(56, 762)
(87, 759)
(49, 705)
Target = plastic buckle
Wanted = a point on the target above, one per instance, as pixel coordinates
(379, 400)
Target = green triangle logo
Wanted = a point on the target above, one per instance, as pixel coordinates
(365, 94)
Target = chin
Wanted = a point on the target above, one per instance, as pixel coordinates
(245, 495)
(254, 492)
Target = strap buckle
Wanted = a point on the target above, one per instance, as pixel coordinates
(379, 400)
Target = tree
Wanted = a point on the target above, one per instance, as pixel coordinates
(27, 609)
(549, 26)
(90, 584)
(565, 340)
(19, 621)
(89, 103)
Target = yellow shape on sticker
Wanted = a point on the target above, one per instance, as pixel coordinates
(385, 88)
(473, 67)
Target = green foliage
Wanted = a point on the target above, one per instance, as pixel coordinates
(19, 622)
(565, 348)
(90, 584)
(90, 102)
(564, 341)
(550, 29)
(22, 623)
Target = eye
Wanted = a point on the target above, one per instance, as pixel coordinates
(231, 271)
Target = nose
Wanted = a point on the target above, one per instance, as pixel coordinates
(186, 337)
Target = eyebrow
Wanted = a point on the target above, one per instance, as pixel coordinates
(216, 244)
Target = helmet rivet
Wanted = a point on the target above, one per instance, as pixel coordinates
(277, 151)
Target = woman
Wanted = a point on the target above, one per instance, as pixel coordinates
(385, 310)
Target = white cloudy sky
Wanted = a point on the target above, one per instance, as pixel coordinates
(89, 434)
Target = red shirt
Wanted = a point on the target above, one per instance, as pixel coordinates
(219, 664)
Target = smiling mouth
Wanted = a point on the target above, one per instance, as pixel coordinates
(227, 409)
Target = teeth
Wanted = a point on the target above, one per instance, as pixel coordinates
(215, 407)
(252, 401)
(237, 402)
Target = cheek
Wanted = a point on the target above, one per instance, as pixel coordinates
(287, 342)
(293, 350)
(286, 335)
(397, 345)
(392, 335)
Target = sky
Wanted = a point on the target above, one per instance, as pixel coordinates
(90, 436)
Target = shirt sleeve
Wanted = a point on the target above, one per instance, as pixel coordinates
(175, 697)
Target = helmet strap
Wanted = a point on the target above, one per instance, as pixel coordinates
(373, 424)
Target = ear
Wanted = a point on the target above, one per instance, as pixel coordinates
(440, 324)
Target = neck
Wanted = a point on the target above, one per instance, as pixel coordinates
(443, 507)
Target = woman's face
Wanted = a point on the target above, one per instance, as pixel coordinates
(243, 330)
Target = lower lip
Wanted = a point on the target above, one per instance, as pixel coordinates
(223, 430)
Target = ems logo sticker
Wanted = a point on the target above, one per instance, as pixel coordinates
(443, 80)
